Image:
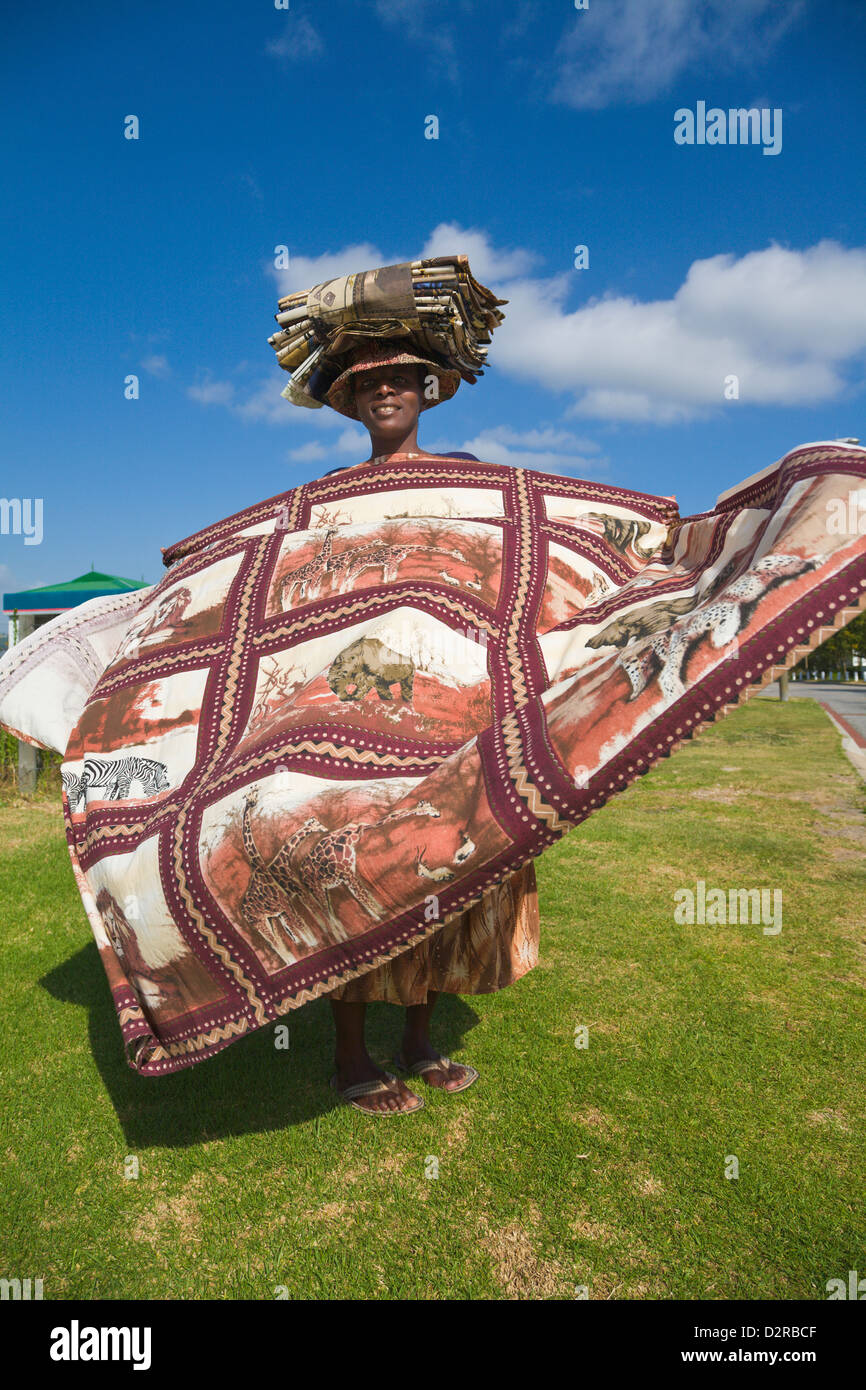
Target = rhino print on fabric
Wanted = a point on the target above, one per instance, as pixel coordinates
(403, 672)
(412, 678)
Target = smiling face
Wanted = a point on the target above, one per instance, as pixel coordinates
(388, 401)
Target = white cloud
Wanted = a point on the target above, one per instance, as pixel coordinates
(814, 300)
(263, 402)
(525, 15)
(306, 271)
(308, 453)
(546, 450)
(157, 365)
(789, 324)
(299, 39)
(784, 322)
(631, 51)
(547, 438)
(422, 22)
(488, 265)
(350, 442)
(212, 392)
(251, 182)
(634, 406)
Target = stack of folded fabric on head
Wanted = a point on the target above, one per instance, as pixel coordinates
(437, 305)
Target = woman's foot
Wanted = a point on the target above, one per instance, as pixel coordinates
(441, 1073)
(393, 1096)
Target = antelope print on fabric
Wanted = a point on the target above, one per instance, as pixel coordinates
(179, 612)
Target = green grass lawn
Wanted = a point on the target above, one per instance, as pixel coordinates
(601, 1166)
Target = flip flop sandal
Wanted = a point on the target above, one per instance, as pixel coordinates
(440, 1064)
(373, 1088)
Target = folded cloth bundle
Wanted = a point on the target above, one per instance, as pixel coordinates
(437, 304)
(349, 712)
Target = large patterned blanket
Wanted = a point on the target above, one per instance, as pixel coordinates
(346, 712)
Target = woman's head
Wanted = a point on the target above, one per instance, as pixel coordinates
(388, 400)
(432, 381)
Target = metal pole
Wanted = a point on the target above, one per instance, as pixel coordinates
(27, 768)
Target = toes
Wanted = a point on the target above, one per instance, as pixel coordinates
(396, 1099)
(406, 1098)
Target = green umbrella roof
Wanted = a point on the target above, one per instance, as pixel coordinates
(93, 579)
(66, 594)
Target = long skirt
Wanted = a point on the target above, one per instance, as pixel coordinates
(484, 949)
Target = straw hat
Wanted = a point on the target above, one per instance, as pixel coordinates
(386, 353)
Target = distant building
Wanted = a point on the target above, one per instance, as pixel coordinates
(31, 608)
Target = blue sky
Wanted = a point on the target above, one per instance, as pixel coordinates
(305, 127)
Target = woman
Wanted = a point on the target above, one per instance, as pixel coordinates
(317, 757)
(491, 945)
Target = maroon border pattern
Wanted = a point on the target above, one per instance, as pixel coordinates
(518, 759)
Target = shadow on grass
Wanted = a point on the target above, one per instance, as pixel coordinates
(251, 1086)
